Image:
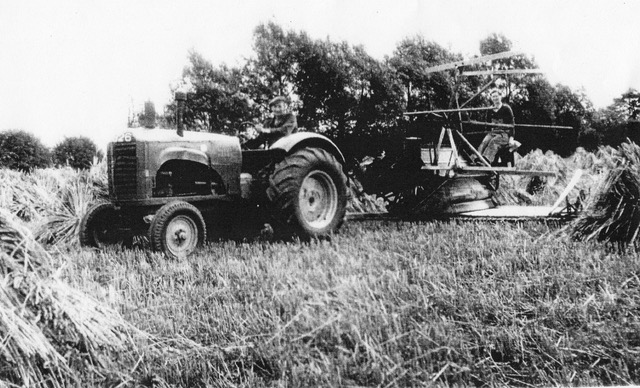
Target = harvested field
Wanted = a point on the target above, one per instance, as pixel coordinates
(379, 304)
(389, 303)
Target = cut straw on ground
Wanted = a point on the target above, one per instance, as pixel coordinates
(46, 327)
(613, 214)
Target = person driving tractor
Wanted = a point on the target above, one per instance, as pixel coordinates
(282, 123)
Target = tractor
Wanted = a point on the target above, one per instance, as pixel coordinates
(174, 186)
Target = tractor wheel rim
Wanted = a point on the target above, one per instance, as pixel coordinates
(181, 236)
(318, 199)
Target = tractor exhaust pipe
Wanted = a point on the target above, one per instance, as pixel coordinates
(181, 98)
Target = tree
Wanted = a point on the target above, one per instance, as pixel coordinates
(495, 43)
(568, 109)
(359, 106)
(631, 101)
(348, 95)
(274, 65)
(20, 150)
(218, 100)
(619, 121)
(515, 85)
(336, 89)
(77, 152)
(536, 104)
(339, 90)
(423, 91)
(589, 139)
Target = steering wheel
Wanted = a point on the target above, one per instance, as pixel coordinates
(248, 134)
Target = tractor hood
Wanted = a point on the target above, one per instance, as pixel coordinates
(170, 136)
(155, 147)
(203, 147)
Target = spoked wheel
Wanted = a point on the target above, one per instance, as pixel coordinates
(177, 229)
(308, 192)
(100, 226)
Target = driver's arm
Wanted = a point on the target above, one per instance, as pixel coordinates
(288, 127)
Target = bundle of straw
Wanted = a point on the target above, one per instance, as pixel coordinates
(532, 190)
(613, 214)
(361, 202)
(48, 329)
(53, 201)
(60, 225)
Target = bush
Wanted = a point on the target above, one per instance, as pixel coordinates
(589, 139)
(20, 150)
(76, 152)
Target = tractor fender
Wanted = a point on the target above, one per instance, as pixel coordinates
(300, 140)
(181, 153)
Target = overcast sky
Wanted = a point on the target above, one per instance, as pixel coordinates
(70, 68)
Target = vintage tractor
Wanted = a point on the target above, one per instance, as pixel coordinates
(173, 187)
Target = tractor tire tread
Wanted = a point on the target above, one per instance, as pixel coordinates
(165, 214)
(87, 223)
(287, 177)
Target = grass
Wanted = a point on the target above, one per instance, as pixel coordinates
(381, 304)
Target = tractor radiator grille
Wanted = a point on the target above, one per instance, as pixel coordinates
(123, 167)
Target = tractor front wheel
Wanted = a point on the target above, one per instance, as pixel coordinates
(177, 229)
(308, 192)
(100, 226)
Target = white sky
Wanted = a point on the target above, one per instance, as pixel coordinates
(75, 67)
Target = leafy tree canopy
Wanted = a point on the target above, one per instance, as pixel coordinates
(21, 150)
(77, 152)
(217, 98)
(618, 121)
(424, 91)
(339, 90)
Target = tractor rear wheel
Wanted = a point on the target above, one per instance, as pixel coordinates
(99, 226)
(308, 192)
(177, 229)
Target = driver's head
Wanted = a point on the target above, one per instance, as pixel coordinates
(278, 105)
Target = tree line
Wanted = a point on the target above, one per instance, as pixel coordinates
(358, 101)
(21, 150)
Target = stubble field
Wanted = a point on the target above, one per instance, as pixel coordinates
(381, 303)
